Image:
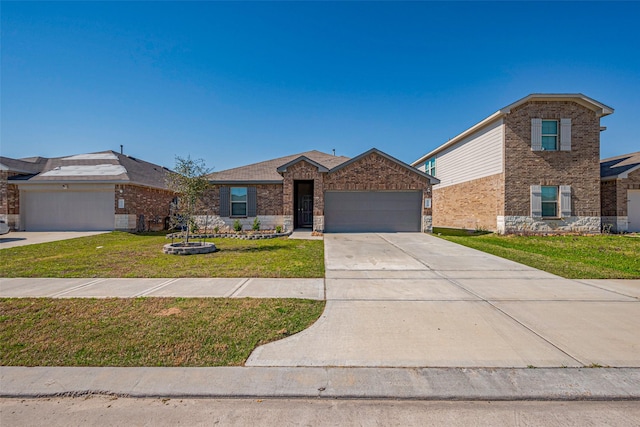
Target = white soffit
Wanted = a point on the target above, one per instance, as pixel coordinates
(94, 156)
(86, 170)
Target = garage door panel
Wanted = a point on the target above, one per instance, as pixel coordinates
(68, 210)
(363, 211)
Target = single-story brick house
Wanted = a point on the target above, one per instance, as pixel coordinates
(323, 192)
(532, 166)
(95, 191)
(620, 192)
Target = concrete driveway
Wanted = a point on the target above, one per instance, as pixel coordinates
(414, 300)
(23, 238)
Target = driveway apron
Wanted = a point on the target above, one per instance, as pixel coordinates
(414, 300)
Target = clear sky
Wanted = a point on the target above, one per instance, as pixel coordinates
(236, 83)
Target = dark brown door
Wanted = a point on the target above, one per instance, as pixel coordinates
(305, 210)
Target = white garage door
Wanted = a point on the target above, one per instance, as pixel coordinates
(633, 209)
(67, 210)
(363, 211)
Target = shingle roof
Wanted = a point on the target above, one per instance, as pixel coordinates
(619, 165)
(104, 166)
(267, 171)
(31, 165)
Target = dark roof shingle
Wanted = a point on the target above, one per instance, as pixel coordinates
(615, 166)
(267, 171)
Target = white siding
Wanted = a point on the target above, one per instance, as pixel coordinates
(477, 156)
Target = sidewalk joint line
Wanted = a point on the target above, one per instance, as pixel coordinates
(238, 288)
(155, 288)
(75, 288)
(459, 285)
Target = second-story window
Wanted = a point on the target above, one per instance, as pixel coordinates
(430, 166)
(550, 135)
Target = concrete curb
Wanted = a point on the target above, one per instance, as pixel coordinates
(557, 384)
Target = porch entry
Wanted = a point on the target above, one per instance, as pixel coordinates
(303, 204)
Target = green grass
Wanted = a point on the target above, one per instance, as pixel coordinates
(573, 257)
(145, 331)
(120, 254)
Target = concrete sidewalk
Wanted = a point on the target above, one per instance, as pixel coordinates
(329, 382)
(130, 288)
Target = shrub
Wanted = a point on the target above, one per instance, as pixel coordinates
(278, 229)
(256, 224)
(237, 225)
(216, 229)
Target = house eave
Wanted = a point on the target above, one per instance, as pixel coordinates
(432, 179)
(484, 123)
(600, 109)
(283, 168)
(245, 182)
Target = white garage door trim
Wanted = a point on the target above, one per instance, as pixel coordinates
(371, 211)
(76, 208)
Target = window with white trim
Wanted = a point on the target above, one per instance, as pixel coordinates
(430, 166)
(549, 135)
(238, 201)
(551, 201)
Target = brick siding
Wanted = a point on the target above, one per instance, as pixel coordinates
(579, 167)
(153, 203)
(376, 172)
(299, 172)
(614, 194)
(9, 195)
(269, 199)
(470, 205)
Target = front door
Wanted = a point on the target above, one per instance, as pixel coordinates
(305, 210)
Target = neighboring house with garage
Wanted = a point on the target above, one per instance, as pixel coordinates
(96, 191)
(323, 192)
(620, 192)
(532, 166)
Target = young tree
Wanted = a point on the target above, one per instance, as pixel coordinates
(189, 182)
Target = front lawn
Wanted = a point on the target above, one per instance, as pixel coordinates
(574, 257)
(145, 331)
(120, 254)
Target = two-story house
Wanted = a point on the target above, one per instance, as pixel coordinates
(532, 166)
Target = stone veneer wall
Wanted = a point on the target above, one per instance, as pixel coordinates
(579, 168)
(268, 207)
(470, 205)
(153, 203)
(9, 201)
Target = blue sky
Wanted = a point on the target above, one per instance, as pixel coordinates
(236, 83)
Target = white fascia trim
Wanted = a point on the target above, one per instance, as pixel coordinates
(600, 109)
(495, 116)
(590, 103)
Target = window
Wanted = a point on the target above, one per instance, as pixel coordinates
(430, 166)
(238, 201)
(550, 135)
(551, 201)
(549, 197)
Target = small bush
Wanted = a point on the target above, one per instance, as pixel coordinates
(237, 225)
(256, 224)
(278, 229)
(216, 229)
